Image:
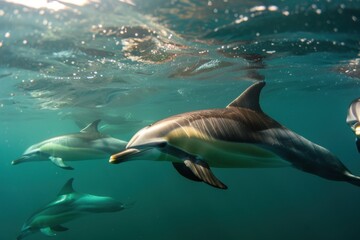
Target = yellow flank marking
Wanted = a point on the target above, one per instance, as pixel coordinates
(219, 153)
(186, 132)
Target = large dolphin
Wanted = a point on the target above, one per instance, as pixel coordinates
(89, 143)
(353, 120)
(67, 206)
(238, 136)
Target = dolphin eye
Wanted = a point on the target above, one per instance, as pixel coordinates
(162, 144)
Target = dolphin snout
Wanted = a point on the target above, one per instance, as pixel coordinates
(14, 162)
(123, 155)
(19, 160)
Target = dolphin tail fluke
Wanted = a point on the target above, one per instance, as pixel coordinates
(353, 179)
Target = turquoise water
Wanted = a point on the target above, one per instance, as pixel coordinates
(131, 63)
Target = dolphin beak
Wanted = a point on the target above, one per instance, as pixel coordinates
(123, 156)
(24, 233)
(19, 160)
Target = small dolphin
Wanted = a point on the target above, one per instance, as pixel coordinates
(238, 136)
(67, 206)
(353, 120)
(89, 143)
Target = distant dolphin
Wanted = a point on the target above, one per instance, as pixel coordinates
(89, 143)
(353, 120)
(5, 75)
(67, 206)
(238, 136)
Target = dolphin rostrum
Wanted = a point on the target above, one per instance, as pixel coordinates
(238, 136)
(353, 120)
(68, 205)
(89, 143)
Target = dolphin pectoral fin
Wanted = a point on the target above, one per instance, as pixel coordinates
(202, 171)
(358, 144)
(59, 228)
(48, 231)
(60, 163)
(185, 171)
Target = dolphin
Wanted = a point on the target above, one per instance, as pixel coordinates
(238, 136)
(89, 143)
(353, 120)
(68, 205)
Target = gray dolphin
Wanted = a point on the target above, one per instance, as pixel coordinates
(238, 136)
(353, 120)
(89, 143)
(67, 206)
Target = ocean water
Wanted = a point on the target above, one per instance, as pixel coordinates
(131, 62)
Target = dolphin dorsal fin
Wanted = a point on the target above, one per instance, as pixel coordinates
(67, 188)
(92, 127)
(249, 98)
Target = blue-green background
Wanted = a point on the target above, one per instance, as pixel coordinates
(312, 76)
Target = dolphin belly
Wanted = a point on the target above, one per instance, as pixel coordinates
(223, 154)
